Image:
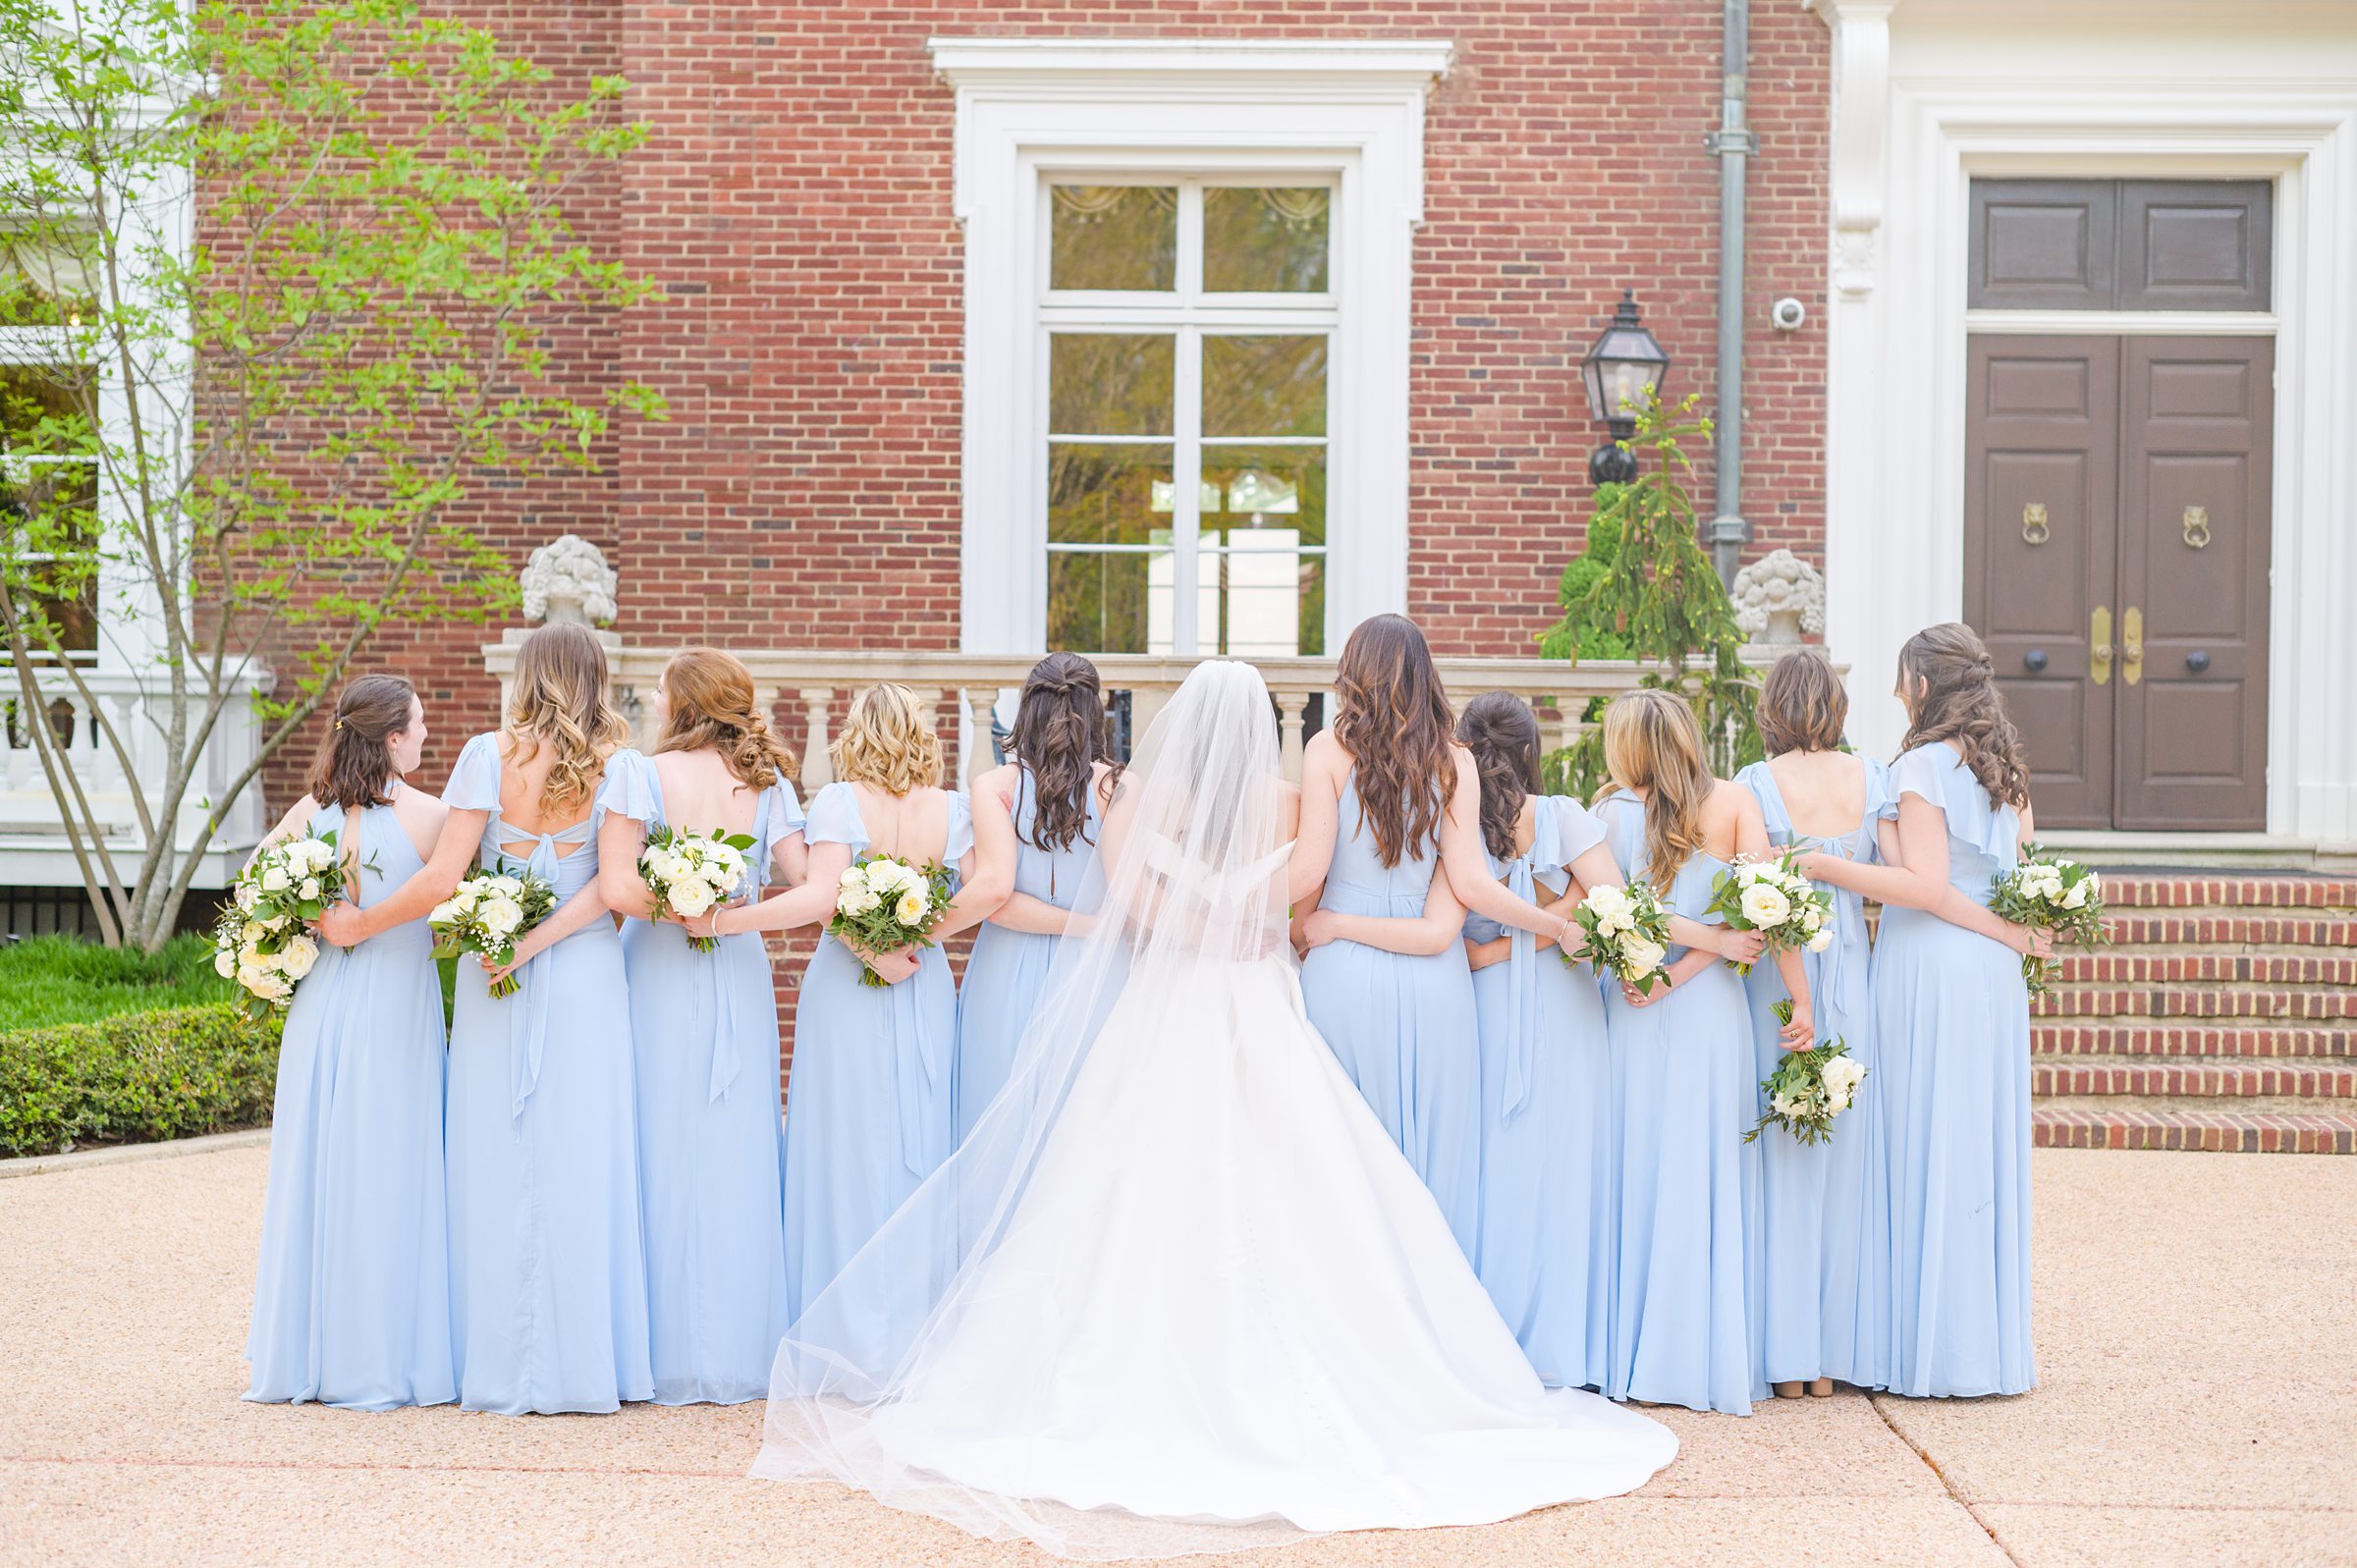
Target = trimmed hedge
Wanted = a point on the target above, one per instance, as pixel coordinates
(135, 1078)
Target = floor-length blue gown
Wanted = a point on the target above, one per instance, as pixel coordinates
(1008, 969)
(1681, 1092)
(548, 1274)
(711, 1147)
(1545, 1146)
(1952, 1027)
(1820, 1276)
(868, 1106)
(352, 1290)
(1398, 1023)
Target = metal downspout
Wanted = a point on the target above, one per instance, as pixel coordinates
(1733, 144)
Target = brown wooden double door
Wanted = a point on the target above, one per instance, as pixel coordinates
(2117, 508)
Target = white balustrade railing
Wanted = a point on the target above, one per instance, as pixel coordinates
(812, 689)
(35, 849)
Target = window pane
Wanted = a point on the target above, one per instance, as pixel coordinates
(1110, 383)
(1264, 569)
(1101, 602)
(48, 512)
(1266, 240)
(1113, 237)
(1109, 495)
(47, 276)
(1264, 386)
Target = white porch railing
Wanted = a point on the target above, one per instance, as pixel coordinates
(34, 850)
(814, 686)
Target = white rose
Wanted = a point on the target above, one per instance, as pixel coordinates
(500, 916)
(1789, 1105)
(856, 901)
(915, 881)
(253, 931)
(310, 888)
(248, 896)
(690, 897)
(225, 964)
(1640, 955)
(1748, 872)
(275, 879)
(1605, 900)
(512, 886)
(2076, 898)
(300, 955)
(1820, 941)
(1765, 907)
(912, 907)
(1812, 915)
(465, 896)
(851, 879)
(443, 913)
(884, 876)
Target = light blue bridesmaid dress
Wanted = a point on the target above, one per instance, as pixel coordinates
(1008, 969)
(1398, 1023)
(868, 1107)
(1952, 1029)
(1681, 1098)
(352, 1292)
(711, 1150)
(1546, 1167)
(548, 1275)
(1821, 1264)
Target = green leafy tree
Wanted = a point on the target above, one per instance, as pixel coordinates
(1644, 588)
(241, 448)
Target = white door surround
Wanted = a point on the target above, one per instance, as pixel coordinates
(1928, 95)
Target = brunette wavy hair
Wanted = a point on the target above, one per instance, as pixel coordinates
(1650, 743)
(1802, 705)
(1502, 734)
(1961, 702)
(355, 755)
(1058, 739)
(714, 708)
(1393, 721)
(889, 741)
(564, 700)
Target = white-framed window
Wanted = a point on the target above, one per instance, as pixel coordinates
(44, 291)
(1187, 329)
(1186, 339)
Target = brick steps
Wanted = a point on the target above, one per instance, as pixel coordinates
(2191, 1077)
(2223, 1016)
(2291, 1126)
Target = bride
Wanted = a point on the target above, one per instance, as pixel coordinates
(1177, 1293)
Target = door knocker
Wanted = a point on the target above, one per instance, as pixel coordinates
(2197, 526)
(2034, 530)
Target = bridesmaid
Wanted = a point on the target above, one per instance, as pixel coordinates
(1821, 1278)
(1058, 783)
(1546, 1167)
(548, 1280)
(352, 1293)
(867, 1108)
(1682, 1084)
(711, 1150)
(1951, 1028)
(1386, 798)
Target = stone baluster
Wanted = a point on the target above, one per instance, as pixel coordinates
(817, 766)
(979, 701)
(1293, 713)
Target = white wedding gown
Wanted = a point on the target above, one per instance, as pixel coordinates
(1184, 1296)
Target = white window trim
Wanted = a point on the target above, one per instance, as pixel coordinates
(1350, 111)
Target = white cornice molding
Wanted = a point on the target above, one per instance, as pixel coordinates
(1238, 67)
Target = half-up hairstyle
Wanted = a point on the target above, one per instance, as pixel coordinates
(1961, 702)
(564, 700)
(1393, 721)
(1650, 743)
(714, 708)
(1058, 739)
(355, 764)
(1502, 734)
(888, 742)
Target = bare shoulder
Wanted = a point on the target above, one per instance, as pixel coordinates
(1000, 781)
(1729, 801)
(1323, 753)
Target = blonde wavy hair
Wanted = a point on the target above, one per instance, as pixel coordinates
(888, 742)
(564, 700)
(1650, 743)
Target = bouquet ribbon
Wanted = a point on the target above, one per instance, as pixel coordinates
(1521, 998)
(527, 1023)
(1840, 969)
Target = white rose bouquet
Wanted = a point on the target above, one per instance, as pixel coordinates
(1627, 935)
(486, 914)
(260, 939)
(1809, 1088)
(1773, 898)
(882, 904)
(688, 873)
(2049, 894)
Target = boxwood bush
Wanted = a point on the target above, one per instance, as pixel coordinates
(135, 1077)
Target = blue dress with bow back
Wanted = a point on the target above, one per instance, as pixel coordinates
(711, 1147)
(548, 1271)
